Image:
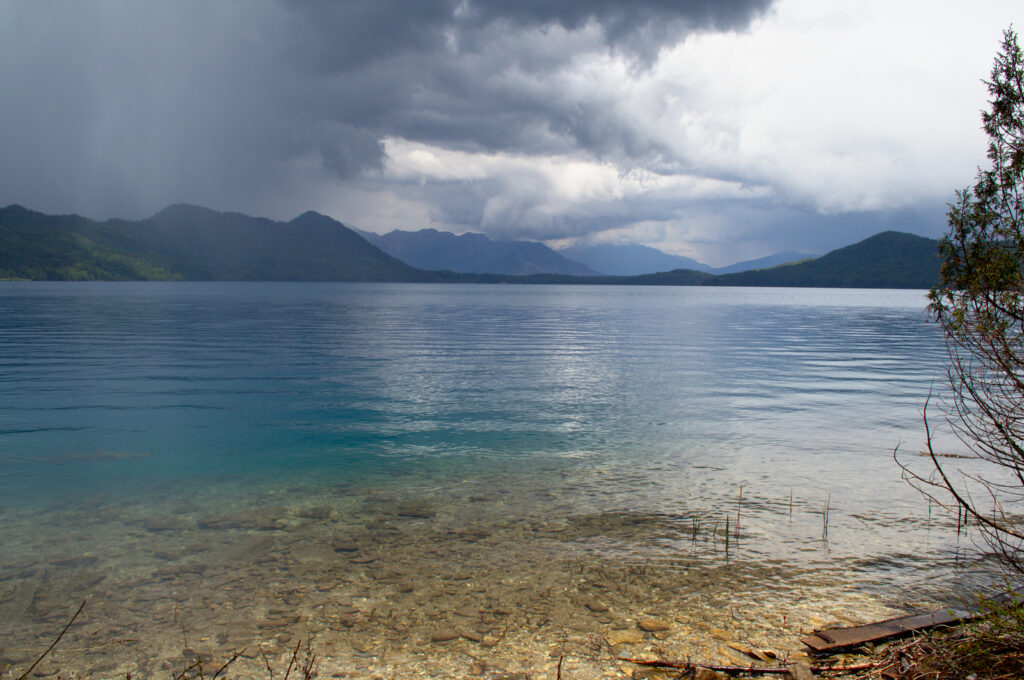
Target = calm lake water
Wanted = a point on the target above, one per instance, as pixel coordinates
(632, 419)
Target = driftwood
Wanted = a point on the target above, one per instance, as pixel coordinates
(752, 670)
(831, 640)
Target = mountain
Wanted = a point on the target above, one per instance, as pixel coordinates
(891, 259)
(192, 243)
(632, 259)
(185, 242)
(432, 250)
(629, 259)
(764, 262)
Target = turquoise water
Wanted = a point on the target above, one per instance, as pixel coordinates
(208, 379)
(122, 388)
(647, 397)
(622, 423)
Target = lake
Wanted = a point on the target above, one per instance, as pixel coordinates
(374, 466)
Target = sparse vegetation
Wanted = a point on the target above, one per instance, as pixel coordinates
(980, 306)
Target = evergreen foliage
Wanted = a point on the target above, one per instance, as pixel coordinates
(980, 305)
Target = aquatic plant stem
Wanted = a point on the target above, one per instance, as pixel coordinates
(824, 517)
(739, 506)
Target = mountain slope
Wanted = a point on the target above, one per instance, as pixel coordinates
(891, 259)
(629, 259)
(775, 260)
(193, 243)
(471, 253)
(70, 247)
(230, 246)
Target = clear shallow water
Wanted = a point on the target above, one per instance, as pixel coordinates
(628, 421)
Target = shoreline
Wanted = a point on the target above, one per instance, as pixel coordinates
(383, 585)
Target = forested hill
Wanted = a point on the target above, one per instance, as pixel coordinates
(891, 259)
(191, 243)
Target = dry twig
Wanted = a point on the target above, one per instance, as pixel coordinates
(52, 644)
(753, 670)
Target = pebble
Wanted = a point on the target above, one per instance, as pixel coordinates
(215, 523)
(444, 635)
(800, 671)
(596, 607)
(623, 637)
(708, 674)
(319, 513)
(471, 635)
(394, 658)
(416, 511)
(179, 569)
(345, 546)
(651, 625)
(77, 561)
(164, 524)
(167, 555)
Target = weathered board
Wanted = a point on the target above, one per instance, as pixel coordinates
(835, 639)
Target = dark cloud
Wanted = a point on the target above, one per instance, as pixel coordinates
(637, 27)
(115, 108)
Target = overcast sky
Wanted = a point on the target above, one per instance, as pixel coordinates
(718, 129)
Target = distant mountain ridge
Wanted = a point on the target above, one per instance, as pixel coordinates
(633, 259)
(473, 253)
(184, 242)
(787, 257)
(630, 259)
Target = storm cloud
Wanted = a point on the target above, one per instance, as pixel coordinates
(688, 124)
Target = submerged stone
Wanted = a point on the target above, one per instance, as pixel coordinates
(652, 625)
(444, 635)
(341, 545)
(160, 524)
(624, 637)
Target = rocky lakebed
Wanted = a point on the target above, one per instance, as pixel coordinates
(384, 583)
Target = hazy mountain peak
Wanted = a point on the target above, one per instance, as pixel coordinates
(629, 259)
(313, 218)
(474, 253)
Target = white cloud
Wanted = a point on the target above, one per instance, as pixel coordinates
(528, 193)
(871, 106)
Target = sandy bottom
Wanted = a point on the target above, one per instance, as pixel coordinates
(453, 583)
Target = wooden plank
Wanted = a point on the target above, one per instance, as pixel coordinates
(834, 639)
